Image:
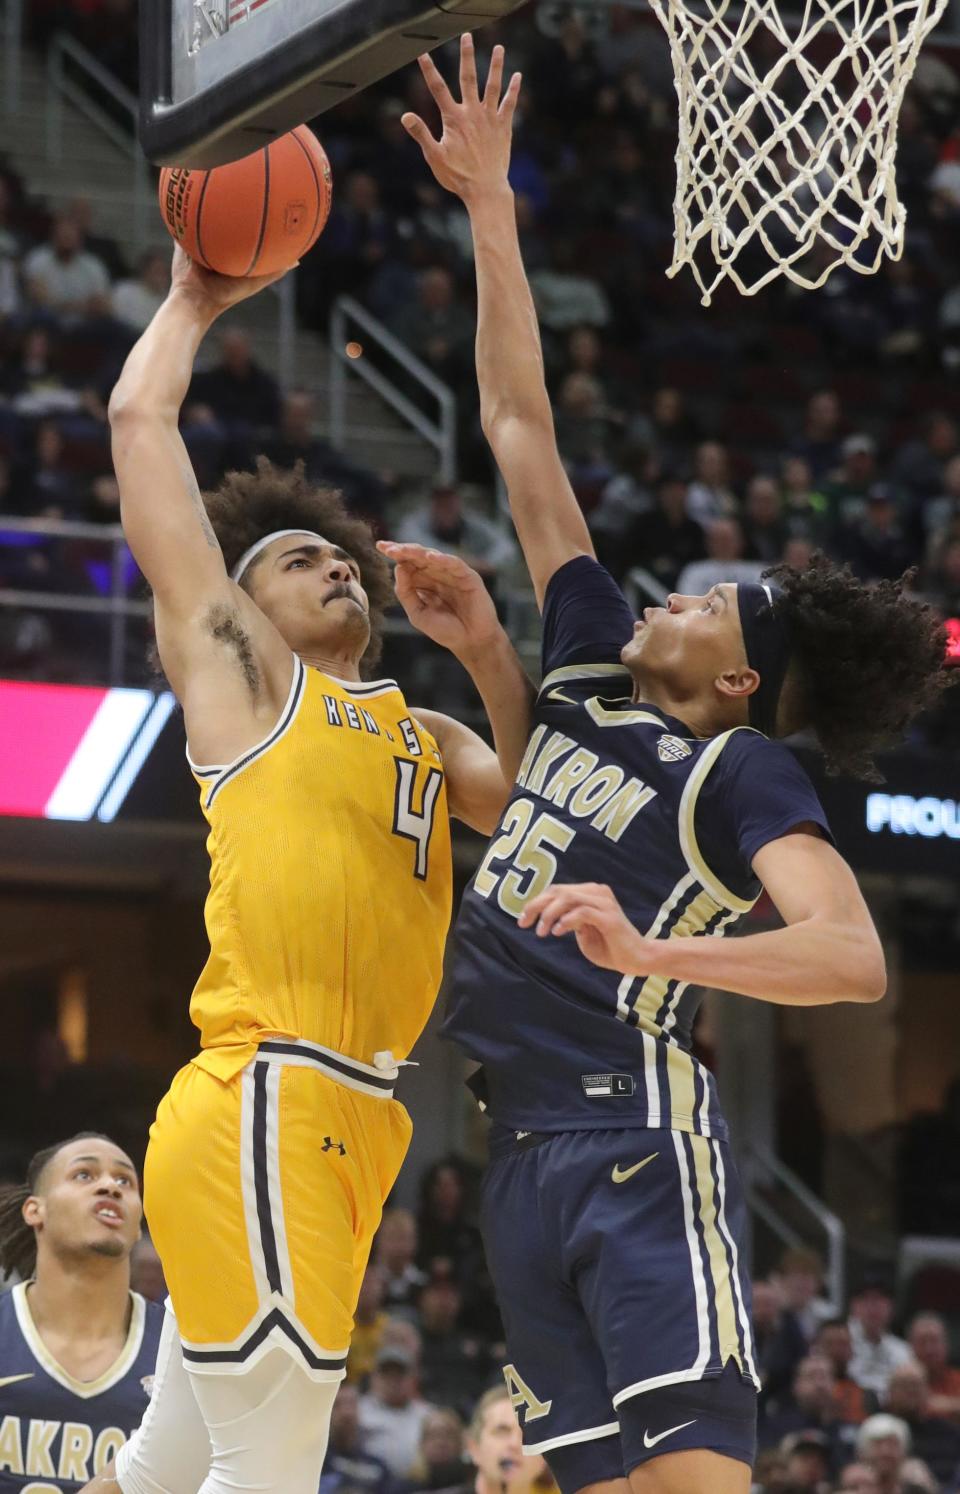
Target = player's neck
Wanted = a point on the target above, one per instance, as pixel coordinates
(704, 717)
(340, 667)
(87, 1299)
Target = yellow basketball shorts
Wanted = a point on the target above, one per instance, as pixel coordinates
(263, 1193)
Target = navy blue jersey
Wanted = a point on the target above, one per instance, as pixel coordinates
(611, 791)
(57, 1432)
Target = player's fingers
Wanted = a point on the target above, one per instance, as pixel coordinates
(400, 550)
(491, 94)
(418, 131)
(508, 104)
(468, 70)
(435, 81)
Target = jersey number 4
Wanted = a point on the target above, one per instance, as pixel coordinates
(409, 822)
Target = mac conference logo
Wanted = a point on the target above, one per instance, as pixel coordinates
(902, 814)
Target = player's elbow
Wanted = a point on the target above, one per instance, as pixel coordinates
(132, 409)
(868, 975)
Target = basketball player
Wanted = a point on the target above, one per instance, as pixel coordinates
(77, 1347)
(652, 805)
(330, 894)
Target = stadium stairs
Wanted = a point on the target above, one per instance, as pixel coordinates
(92, 165)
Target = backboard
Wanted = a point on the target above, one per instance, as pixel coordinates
(219, 78)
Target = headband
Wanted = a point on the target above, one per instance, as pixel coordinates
(249, 556)
(767, 645)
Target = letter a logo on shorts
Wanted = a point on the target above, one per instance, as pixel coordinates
(522, 1396)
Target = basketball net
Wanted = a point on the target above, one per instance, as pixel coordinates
(786, 155)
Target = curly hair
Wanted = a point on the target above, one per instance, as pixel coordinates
(18, 1242)
(866, 660)
(248, 505)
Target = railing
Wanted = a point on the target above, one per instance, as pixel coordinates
(761, 1168)
(441, 433)
(117, 607)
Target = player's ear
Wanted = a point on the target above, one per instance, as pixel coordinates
(737, 684)
(32, 1211)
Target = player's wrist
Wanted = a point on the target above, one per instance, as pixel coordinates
(488, 196)
(194, 303)
(483, 652)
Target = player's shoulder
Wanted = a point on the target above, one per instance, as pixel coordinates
(746, 750)
(8, 1309)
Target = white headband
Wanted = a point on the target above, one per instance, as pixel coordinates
(248, 556)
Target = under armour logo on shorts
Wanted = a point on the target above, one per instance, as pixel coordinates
(329, 1144)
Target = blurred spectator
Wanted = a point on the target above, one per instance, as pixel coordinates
(800, 1279)
(65, 279)
(779, 1341)
(626, 496)
(454, 1367)
(804, 507)
(582, 422)
(357, 241)
(724, 561)
(80, 212)
(495, 1446)
(671, 430)
(876, 1351)
(146, 1272)
(819, 443)
(357, 1470)
(444, 523)
(395, 1253)
(244, 398)
(875, 543)
(392, 1414)
(945, 582)
(564, 297)
(847, 487)
(445, 1229)
(441, 1464)
(765, 529)
(883, 1443)
(809, 1407)
(663, 541)
(437, 328)
(927, 1337)
(919, 465)
(933, 1439)
(710, 495)
(833, 1341)
(136, 302)
(369, 1323)
(937, 512)
(31, 380)
(56, 489)
(808, 1463)
(296, 441)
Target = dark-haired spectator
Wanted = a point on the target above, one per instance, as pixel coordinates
(136, 301)
(395, 1252)
(819, 442)
(858, 1478)
(583, 423)
(710, 495)
(357, 241)
(356, 1470)
(805, 508)
(454, 1367)
(809, 1462)
(800, 1279)
(875, 543)
(31, 380)
(779, 1341)
(809, 1407)
(918, 467)
(392, 1413)
(55, 489)
(663, 541)
(927, 1337)
(241, 393)
(936, 513)
(765, 529)
(437, 328)
(876, 1351)
(441, 1463)
(933, 1439)
(296, 441)
(446, 1230)
(847, 486)
(833, 1341)
(444, 522)
(65, 279)
(725, 560)
(564, 296)
(80, 212)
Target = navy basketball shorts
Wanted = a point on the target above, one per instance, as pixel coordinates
(618, 1260)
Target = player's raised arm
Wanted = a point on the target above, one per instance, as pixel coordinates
(161, 508)
(471, 159)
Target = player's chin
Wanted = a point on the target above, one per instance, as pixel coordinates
(113, 1247)
(632, 649)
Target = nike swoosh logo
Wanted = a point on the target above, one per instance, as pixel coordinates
(557, 694)
(622, 1174)
(649, 1441)
(12, 1379)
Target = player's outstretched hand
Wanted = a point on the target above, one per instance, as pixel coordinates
(473, 152)
(443, 597)
(217, 293)
(604, 933)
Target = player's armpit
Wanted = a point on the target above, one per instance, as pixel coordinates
(476, 787)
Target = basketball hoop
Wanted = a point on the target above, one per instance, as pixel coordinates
(788, 135)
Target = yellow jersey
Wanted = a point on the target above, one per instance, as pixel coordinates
(330, 879)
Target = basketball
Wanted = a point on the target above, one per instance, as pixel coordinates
(253, 216)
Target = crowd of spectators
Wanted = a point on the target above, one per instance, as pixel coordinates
(847, 1405)
(701, 444)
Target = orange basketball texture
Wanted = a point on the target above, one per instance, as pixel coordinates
(252, 216)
